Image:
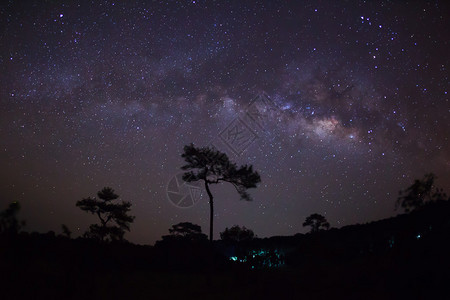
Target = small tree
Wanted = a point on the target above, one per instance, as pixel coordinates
(237, 234)
(212, 167)
(8, 219)
(420, 193)
(316, 222)
(114, 217)
(186, 231)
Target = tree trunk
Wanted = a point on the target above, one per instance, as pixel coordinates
(211, 212)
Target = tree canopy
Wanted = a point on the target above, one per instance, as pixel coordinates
(186, 231)
(114, 217)
(317, 222)
(8, 219)
(212, 167)
(237, 234)
(421, 192)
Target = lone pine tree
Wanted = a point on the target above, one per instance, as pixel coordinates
(213, 167)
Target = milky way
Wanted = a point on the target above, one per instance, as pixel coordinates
(108, 93)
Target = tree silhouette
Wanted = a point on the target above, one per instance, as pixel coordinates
(316, 222)
(186, 231)
(8, 219)
(66, 231)
(420, 193)
(237, 234)
(114, 217)
(213, 166)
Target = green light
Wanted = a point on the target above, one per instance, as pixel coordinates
(261, 258)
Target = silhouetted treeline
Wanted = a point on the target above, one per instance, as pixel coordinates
(403, 256)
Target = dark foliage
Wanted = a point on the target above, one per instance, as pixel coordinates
(421, 192)
(9, 224)
(380, 260)
(213, 167)
(237, 234)
(114, 217)
(186, 231)
(317, 222)
(404, 257)
(66, 231)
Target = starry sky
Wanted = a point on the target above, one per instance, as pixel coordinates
(107, 93)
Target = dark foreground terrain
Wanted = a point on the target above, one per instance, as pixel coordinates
(406, 257)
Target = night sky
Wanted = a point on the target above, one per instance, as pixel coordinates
(107, 94)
